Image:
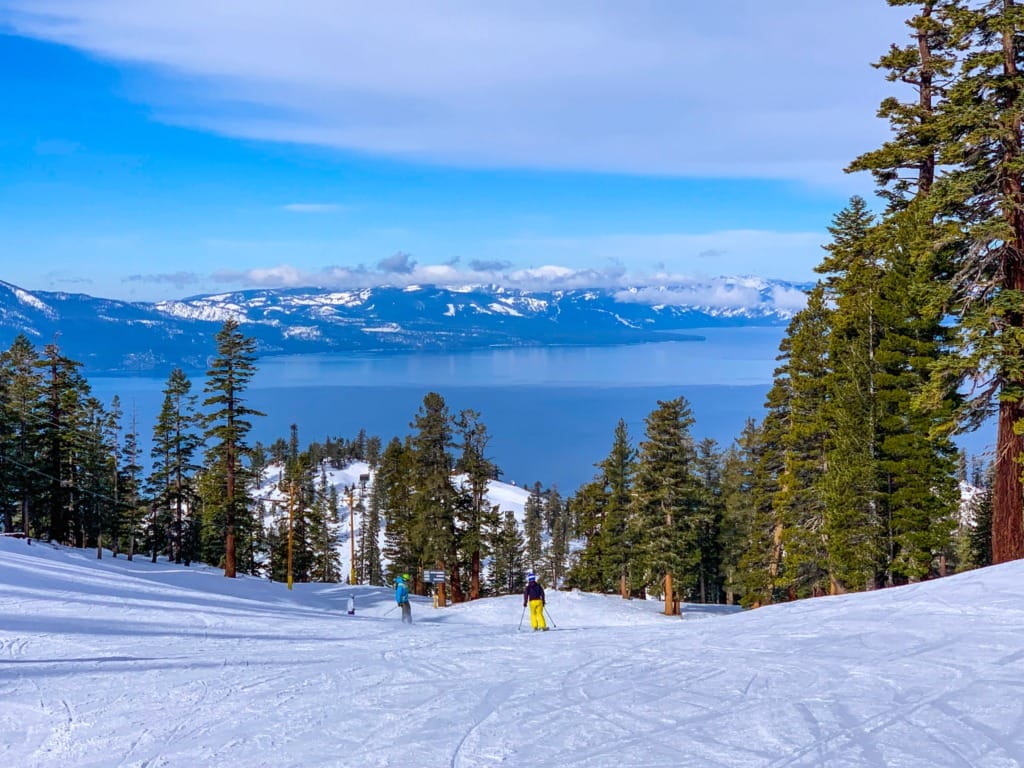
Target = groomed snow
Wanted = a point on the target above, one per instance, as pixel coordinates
(110, 663)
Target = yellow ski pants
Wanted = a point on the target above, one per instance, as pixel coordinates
(537, 614)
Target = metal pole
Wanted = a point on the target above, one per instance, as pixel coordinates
(352, 534)
(545, 609)
(291, 518)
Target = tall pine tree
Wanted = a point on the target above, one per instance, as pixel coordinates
(228, 425)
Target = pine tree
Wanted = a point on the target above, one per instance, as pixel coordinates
(297, 484)
(228, 425)
(917, 461)
(131, 484)
(616, 545)
(478, 470)
(533, 528)
(982, 188)
(738, 477)
(373, 451)
(61, 432)
(435, 497)
(708, 517)
(21, 418)
(917, 244)
(175, 442)
(369, 541)
(854, 508)
(558, 536)
(905, 166)
(508, 546)
(111, 515)
(667, 499)
(758, 573)
(393, 489)
(979, 535)
(97, 474)
(800, 503)
(588, 507)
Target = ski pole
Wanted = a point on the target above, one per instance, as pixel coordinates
(521, 619)
(389, 611)
(549, 617)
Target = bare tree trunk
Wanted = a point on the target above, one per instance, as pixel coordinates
(474, 576)
(229, 540)
(926, 172)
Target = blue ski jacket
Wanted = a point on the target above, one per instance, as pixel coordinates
(401, 592)
(533, 591)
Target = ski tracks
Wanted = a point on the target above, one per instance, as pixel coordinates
(494, 697)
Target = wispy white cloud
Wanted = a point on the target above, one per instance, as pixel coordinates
(63, 280)
(179, 279)
(789, 298)
(738, 89)
(717, 293)
(314, 207)
(782, 255)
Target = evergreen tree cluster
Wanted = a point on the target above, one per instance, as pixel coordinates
(430, 492)
(914, 331)
(71, 471)
(652, 521)
(951, 243)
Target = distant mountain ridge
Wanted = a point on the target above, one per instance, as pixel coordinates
(117, 336)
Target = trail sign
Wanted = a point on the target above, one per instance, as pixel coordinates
(433, 577)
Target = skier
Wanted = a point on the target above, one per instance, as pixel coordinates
(351, 605)
(534, 595)
(402, 597)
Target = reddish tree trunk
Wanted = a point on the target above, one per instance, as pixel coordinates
(1007, 493)
(1007, 498)
(458, 596)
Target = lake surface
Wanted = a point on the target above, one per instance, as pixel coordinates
(551, 412)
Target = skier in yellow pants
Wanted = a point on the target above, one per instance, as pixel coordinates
(534, 595)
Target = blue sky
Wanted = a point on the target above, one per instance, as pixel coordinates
(157, 150)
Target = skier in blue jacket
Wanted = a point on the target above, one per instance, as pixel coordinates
(402, 597)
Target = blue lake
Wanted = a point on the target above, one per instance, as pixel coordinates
(551, 412)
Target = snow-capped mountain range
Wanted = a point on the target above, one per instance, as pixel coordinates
(110, 335)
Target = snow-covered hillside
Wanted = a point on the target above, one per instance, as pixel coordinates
(358, 477)
(110, 663)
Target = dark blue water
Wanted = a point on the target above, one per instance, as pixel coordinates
(551, 412)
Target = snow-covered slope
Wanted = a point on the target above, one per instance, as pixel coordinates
(109, 663)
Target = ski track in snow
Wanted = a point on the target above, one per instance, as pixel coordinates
(109, 663)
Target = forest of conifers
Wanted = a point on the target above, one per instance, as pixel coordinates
(851, 481)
